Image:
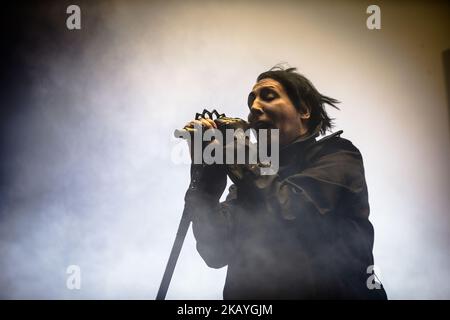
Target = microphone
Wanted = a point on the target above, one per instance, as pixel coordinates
(221, 120)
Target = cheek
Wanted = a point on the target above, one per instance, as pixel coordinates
(289, 119)
(283, 112)
(276, 111)
(284, 115)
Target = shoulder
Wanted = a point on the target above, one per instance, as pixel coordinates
(333, 144)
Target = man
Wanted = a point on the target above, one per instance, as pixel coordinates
(303, 233)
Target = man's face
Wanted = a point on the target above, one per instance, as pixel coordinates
(271, 108)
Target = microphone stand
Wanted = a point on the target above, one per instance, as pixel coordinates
(183, 228)
(185, 221)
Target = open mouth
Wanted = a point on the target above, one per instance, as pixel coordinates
(262, 125)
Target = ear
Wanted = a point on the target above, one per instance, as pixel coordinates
(305, 112)
(304, 120)
(305, 115)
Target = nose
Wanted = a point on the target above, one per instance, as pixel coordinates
(256, 109)
(255, 112)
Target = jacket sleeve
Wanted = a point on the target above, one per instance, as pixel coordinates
(212, 227)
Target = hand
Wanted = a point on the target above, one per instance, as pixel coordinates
(253, 185)
(209, 180)
(204, 124)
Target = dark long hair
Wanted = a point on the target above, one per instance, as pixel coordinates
(304, 96)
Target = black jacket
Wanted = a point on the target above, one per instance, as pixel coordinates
(307, 236)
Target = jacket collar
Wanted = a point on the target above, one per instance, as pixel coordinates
(290, 152)
(302, 140)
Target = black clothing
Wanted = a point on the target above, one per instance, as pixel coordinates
(306, 235)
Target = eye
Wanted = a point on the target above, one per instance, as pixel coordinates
(268, 94)
(250, 99)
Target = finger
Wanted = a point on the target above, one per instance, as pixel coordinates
(192, 123)
(206, 124)
(211, 121)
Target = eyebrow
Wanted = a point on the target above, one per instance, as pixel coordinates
(263, 87)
